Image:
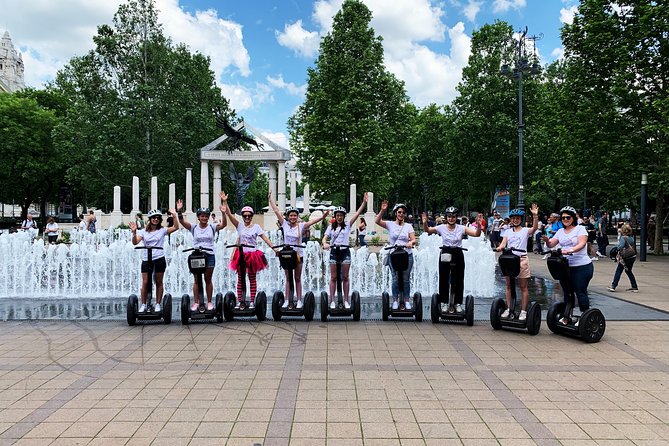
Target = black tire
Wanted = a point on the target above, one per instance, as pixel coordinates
(418, 306)
(309, 306)
(261, 306)
(496, 309)
(355, 298)
(385, 306)
(324, 306)
(228, 306)
(534, 318)
(555, 312)
(131, 311)
(185, 309)
(435, 308)
(469, 309)
(167, 309)
(277, 301)
(219, 307)
(592, 325)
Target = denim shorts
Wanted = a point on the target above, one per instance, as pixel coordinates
(159, 265)
(345, 254)
(211, 260)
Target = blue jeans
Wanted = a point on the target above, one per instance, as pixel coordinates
(395, 287)
(580, 277)
(619, 272)
(361, 240)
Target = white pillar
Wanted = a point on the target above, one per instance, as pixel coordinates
(216, 199)
(352, 192)
(172, 199)
(272, 180)
(293, 189)
(189, 191)
(135, 197)
(306, 199)
(154, 192)
(117, 199)
(116, 217)
(369, 214)
(204, 184)
(281, 194)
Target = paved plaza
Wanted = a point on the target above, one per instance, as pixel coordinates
(339, 383)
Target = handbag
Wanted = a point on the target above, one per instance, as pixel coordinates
(627, 252)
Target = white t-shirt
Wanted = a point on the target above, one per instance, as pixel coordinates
(155, 239)
(204, 237)
(50, 227)
(248, 235)
(517, 239)
(82, 225)
(451, 238)
(399, 234)
(291, 235)
(338, 236)
(570, 240)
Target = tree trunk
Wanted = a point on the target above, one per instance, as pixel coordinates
(659, 224)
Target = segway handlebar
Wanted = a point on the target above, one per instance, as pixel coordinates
(454, 247)
(289, 245)
(556, 250)
(395, 247)
(198, 249)
(509, 249)
(148, 248)
(339, 246)
(241, 245)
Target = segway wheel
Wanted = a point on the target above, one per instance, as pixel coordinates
(131, 311)
(496, 309)
(219, 307)
(355, 300)
(435, 308)
(385, 306)
(324, 306)
(277, 301)
(309, 306)
(592, 325)
(555, 312)
(229, 306)
(534, 318)
(167, 309)
(469, 310)
(261, 306)
(185, 309)
(418, 305)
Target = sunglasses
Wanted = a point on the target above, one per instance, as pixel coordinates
(155, 217)
(400, 212)
(247, 216)
(566, 217)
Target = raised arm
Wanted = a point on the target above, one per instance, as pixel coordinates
(426, 228)
(315, 220)
(233, 219)
(180, 207)
(175, 226)
(378, 220)
(359, 211)
(275, 208)
(534, 209)
(473, 231)
(224, 220)
(133, 228)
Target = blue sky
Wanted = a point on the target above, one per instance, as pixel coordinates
(260, 49)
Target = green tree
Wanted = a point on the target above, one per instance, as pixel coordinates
(355, 120)
(139, 106)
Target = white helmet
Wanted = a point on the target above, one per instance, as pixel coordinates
(154, 213)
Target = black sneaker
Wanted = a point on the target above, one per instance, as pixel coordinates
(632, 290)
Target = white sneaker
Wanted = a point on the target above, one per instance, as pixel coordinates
(594, 259)
(156, 308)
(347, 305)
(252, 305)
(238, 305)
(194, 307)
(599, 254)
(506, 313)
(407, 305)
(210, 306)
(523, 315)
(458, 308)
(142, 308)
(299, 304)
(444, 308)
(396, 305)
(332, 305)
(285, 304)
(545, 257)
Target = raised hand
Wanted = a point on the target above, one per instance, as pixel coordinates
(180, 205)
(224, 196)
(384, 205)
(534, 209)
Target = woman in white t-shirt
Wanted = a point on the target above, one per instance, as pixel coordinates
(153, 235)
(451, 237)
(399, 233)
(573, 239)
(51, 230)
(204, 234)
(292, 229)
(516, 237)
(337, 234)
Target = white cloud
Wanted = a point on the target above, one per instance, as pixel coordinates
(472, 9)
(558, 53)
(290, 87)
(295, 37)
(567, 14)
(243, 98)
(505, 5)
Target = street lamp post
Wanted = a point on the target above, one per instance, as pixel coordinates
(522, 67)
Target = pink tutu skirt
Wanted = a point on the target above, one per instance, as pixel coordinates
(255, 261)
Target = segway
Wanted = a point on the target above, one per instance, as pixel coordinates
(288, 261)
(590, 326)
(509, 264)
(132, 311)
(197, 265)
(230, 308)
(399, 259)
(450, 315)
(340, 310)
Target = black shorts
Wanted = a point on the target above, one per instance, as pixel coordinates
(159, 265)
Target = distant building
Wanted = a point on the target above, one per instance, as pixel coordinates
(11, 66)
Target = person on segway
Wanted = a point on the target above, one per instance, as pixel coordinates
(338, 234)
(573, 238)
(204, 234)
(153, 236)
(516, 237)
(293, 229)
(451, 238)
(402, 234)
(254, 259)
